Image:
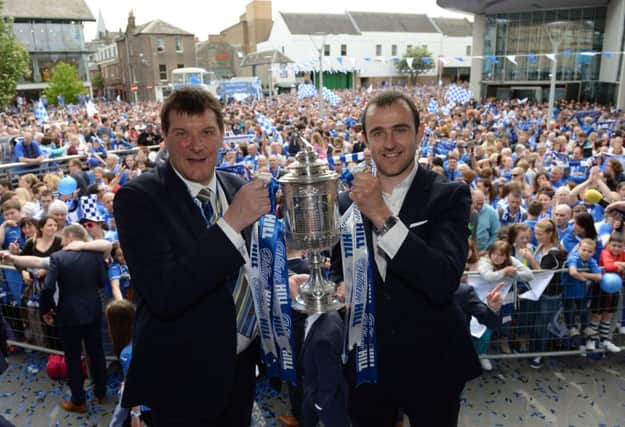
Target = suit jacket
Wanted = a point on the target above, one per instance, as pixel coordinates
(470, 304)
(78, 274)
(324, 385)
(420, 331)
(184, 345)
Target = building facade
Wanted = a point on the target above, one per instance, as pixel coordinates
(52, 32)
(361, 48)
(147, 55)
(511, 40)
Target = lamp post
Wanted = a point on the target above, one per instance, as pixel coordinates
(320, 49)
(555, 31)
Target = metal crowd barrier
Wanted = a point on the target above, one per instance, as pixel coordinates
(523, 336)
(12, 171)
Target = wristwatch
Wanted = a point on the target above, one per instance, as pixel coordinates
(389, 222)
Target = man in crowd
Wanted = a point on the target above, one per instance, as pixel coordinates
(78, 275)
(28, 151)
(417, 233)
(487, 221)
(148, 137)
(182, 229)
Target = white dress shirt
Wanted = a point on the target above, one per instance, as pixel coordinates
(236, 238)
(389, 243)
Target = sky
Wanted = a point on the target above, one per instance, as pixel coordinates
(212, 16)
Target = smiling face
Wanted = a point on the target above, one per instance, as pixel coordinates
(193, 142)
(392, 138)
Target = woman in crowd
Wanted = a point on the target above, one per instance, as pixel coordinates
(583, 228)
(499, 265)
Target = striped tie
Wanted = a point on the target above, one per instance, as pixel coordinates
(241, 294)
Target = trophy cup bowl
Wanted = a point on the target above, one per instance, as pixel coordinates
(311, 216)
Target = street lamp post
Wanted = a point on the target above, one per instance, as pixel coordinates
(555, 31)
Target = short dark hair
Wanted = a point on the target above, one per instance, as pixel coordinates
(388, 98)
(191, 100)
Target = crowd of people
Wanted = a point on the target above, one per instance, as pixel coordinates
(533, 183)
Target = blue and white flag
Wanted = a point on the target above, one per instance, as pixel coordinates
(457, 94)
(266, 124)
(346, 158)
(306, 91)
(433, 106)
(559, 159)
(41, 114)
(330, 96)
(446, 109)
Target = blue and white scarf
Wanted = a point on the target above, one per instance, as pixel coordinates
(269, 283)
(508, 218)
(359, 303)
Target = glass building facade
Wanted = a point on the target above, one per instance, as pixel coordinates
(49, 43)
(524, 35)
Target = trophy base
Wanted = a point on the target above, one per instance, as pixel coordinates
(312, 307)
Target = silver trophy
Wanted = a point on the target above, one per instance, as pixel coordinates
(309, 194)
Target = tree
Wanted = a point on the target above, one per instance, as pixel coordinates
(421, 62)
(64, 82)
(14, 60)
(98, 83)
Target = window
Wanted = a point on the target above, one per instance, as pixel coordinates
(343, 50)
(326, 50)
(469, 50)
(179, 47)
(394, 50)
(160, 45)
(408, 46)
(378, 50)
(179, 65)
(162, 71)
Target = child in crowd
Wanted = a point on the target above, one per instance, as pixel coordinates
(499, 265)
(602, 304)
(120, 315)
(576, 285)
(12, 239)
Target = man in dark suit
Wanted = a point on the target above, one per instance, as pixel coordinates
(416, 225)
(191, 363)
(78, 314)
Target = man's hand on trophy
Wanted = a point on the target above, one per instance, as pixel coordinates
(295, 281)
(366, 192)
(249, 204)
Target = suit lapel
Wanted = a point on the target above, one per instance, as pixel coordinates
(416, 201)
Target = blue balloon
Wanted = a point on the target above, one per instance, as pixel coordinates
(67, 186)
(611, 283)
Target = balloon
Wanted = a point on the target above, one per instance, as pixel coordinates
(592, 196)
(611, 283)
(67, 186)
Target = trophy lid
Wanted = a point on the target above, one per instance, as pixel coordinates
(308, 167)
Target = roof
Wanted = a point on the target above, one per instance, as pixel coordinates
(265, 57)
(454, 27)
(393, 22)
(159, 27)
(319, 23)
(74, 10)
(489, 7)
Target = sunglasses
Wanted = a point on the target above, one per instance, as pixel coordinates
(90, 225)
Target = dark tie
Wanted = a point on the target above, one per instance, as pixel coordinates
(246, 320)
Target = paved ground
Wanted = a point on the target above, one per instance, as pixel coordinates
(567, 391)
